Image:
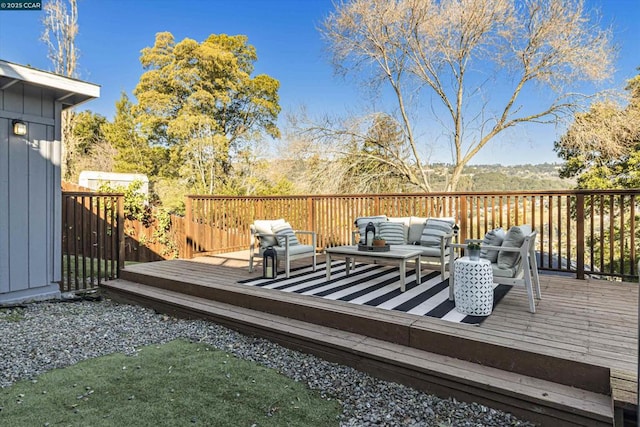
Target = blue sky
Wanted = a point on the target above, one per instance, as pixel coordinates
(289, 47)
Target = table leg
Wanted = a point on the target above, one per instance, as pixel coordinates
(349, 261)
(328, 266)
(418, 271)
(403, 272)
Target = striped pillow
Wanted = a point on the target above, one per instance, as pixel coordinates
(393, 232)
(433, 231)
(281, 230)
(363, 221)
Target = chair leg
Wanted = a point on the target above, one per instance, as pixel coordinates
(536, 282)
(529, 286)
(287, 267)
(314, 261)
(250, 260)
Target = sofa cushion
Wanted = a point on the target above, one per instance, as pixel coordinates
(393, 232)
(263, 226)
(493, 237)
(434, 230)
(514, 239)
(362, 222)
(416, 226)
(282, 230)
(430, 251)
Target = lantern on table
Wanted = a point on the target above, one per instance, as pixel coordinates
(369, 233)
(270, 263)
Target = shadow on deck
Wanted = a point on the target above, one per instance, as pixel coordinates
(571, 363)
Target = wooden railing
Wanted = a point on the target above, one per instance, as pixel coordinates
(580, 232)
(92, 239)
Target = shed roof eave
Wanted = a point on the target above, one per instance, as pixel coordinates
(75, 91)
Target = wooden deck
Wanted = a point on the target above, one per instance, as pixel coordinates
(564, 365)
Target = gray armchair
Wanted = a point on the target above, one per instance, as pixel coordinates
(516, 264)
(279, 235)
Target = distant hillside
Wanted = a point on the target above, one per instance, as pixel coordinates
(514, 178)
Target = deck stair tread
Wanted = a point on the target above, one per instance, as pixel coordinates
(439, 370)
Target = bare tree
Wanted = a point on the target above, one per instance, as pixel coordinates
(478, 65)
(59, 34)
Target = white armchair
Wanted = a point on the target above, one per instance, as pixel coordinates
(515, 265)
(279, 235)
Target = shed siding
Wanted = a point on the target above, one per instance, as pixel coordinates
(4, 205)
(13, 98)
(38, 239)
(32, 100)
(54, 135)
(18, 212)
(29, 173)
(48, 107)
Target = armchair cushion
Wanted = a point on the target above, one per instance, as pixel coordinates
(293, 250)
(514, 239)
(282, 230)
(393, 232)
(430, 251)
(492, 238)
(434, 230)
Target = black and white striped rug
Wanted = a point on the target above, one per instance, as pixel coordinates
(378, 286)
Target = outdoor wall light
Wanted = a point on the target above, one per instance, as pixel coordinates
(19, 128)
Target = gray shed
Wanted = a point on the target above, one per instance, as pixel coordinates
(31, 103)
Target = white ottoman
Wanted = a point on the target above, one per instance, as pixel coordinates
(473, 286)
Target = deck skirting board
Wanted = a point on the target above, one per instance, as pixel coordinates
(464, 342)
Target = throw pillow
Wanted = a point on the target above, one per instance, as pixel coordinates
(263, 226)
(492, 238)
(514, 239)
(362, 222)
(393, 232)
(434, 230)
(416, 227)
(282, 230)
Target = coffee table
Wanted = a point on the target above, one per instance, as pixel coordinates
(394, 255)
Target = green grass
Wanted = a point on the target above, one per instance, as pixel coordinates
(11, 314)
(174, 384)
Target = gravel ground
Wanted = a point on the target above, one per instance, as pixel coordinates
(45, 336)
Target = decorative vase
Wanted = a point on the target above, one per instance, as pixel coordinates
(474, 254)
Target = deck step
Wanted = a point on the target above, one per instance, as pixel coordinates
(529, 398)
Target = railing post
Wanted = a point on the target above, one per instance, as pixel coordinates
(310, 215)
(120, 230)
(188, 241)
(580, 236)
(463, 219)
